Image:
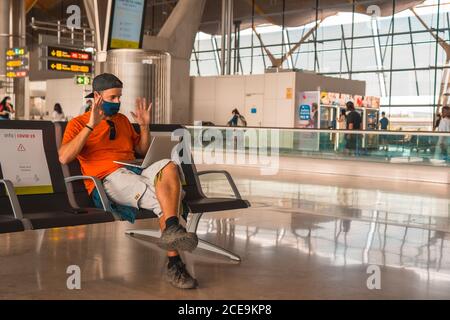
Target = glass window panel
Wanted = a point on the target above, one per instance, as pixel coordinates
(402, 57)
(363, 28)
(305, 61)
(426, 82)
(258, 64)
(372, 83)
(208, 67)
(425, 55)
(401, 24)
(364, 59)
(330, 61)
(404, 83)
(271, 38)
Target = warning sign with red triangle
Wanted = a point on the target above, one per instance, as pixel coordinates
(20, 147)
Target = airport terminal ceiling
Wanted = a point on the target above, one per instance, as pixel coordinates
(297, 13)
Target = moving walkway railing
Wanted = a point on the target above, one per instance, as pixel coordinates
(409, 147)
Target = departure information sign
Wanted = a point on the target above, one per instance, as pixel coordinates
(71, 54)
(127, 24)
(17, 74)
(15, 52)
(56, 65)
(16, 63)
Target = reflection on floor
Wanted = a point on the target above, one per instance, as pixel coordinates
(422, 205)
(288, 251)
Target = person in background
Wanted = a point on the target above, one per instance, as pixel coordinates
(342, 121)
(236, 118)
(444, 123)
(353, 117)
(353, 123)
(86, 107)
(58, 114)
(383, 125)
(6, 108)
(438, 120)
(233, 122)
(444, 126)
(384, 121)
(342, 125)
(315, 116)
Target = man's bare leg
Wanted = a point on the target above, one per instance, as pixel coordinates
(168, 193)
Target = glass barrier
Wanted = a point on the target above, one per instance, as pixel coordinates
(419, 148)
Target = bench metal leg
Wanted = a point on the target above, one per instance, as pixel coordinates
(205, 245)
(192, 226)
(192, 223)
(144, 232)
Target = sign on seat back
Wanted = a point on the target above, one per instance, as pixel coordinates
(29, 158)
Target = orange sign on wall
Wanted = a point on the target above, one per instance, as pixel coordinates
(288, 93)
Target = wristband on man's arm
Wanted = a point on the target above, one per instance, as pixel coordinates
(90, 128)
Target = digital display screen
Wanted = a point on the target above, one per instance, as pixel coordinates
(127, 24)
(55, 65)
(66, 53)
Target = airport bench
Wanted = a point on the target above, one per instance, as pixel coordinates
(195, 200)
(10, 220)
(34, 191)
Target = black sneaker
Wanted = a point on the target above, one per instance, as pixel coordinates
(179, 277)
(177, 238)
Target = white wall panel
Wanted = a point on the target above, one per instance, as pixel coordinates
(67, 93)
(229, 95)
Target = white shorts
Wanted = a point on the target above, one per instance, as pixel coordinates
(127, 188)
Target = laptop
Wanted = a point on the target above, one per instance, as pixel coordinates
(160, 148)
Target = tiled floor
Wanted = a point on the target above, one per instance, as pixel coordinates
(305, 237)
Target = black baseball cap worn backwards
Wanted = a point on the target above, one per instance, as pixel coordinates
(103, 82)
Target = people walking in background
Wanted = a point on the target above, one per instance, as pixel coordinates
(6, 108)
(58, 114)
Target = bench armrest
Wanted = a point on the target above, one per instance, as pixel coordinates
(229, 178)
(101, 191)
(15, 205)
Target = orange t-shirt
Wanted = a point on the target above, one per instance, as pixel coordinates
(97, 156)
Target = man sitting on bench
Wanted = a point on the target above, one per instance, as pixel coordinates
(101, 136)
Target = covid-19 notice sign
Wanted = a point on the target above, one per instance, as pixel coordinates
(23, 161)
